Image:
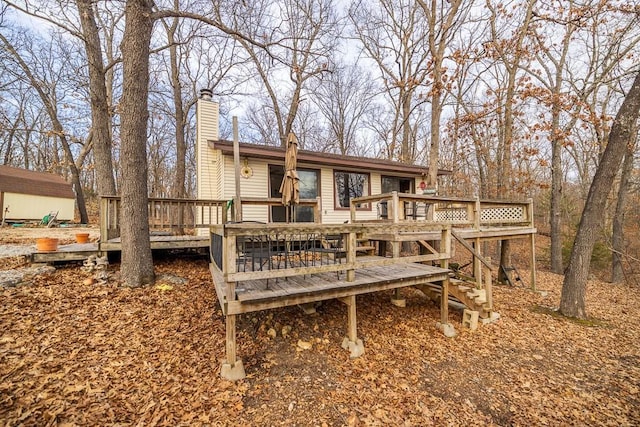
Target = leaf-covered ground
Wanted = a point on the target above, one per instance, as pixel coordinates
(88, 354)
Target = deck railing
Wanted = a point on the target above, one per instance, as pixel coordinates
(459, 212)
(183, 216)
(315, 204)
(170, 215)
(251, 251)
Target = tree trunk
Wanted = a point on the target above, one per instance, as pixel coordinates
(573, 288)
(406, 127)
(137, 262)
(179, 115)
(100, 117)
(436, 111)
(556, 193)
(75, 176)
(178, 190)
(617, 238)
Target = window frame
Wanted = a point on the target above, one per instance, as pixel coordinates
(318, 173)
(336, 204)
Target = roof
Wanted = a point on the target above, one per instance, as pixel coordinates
(337, 161)
(23, 181)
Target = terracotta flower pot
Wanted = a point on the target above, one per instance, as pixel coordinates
(82, 237)
(46, 244)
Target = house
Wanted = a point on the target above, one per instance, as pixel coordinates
(29, 195)
(332, 178)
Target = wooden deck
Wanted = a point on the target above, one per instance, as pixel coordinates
(249, 273)
(82, 251)
(261, 294)
(72, 252)
(162, 242)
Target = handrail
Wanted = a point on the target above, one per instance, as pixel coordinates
(167, 214)
(178, 215)
(236, 239)
(458, 211)
(470, 248)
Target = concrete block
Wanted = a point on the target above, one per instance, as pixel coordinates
(355, 348)
(401, 302)
(233, 372)
(494, 317)
(308, 308)
(447, 328)
(470, 319)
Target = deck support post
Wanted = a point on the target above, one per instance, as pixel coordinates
(397, 300)
(444, 325)
(395, 248)
(351, 341)
(351, 255)
(532, 243)
(232, 368)
(477, 266)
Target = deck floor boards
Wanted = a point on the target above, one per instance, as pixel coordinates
(369, 277)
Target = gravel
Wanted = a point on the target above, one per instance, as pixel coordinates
(22, 275)
(7, 251)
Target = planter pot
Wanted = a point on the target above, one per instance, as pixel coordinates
(82, 237)
(46, 244)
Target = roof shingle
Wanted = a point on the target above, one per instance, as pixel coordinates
(23, 181)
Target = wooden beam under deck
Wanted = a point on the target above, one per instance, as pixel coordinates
(162, 242)
(82, 251)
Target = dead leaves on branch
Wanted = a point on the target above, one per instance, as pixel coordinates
(72, 353)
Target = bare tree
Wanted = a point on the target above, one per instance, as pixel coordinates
(301, 38)
(572, 302)
(395, 35)
(60, 15)
(100, 107)
(444, 19)
(137, 262)
(511, 51)
(343, 98)
(45, 87)
(618, 235)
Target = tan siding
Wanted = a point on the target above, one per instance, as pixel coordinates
(332, 216)
(208, 174)
(207, 123)
(256, 186)
(26, 206)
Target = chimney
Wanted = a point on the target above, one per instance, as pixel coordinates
(206, 130)
(206, 94)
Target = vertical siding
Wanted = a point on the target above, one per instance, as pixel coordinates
(208, 174)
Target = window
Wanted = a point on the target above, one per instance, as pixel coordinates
(394, 183)
(308, 183)
(350, 185)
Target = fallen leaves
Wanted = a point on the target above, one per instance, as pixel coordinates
(90, 354)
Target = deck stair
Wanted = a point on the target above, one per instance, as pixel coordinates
(461, 292)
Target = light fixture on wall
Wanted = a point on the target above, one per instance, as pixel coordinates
(246, 171)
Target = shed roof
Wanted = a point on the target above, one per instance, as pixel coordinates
(337, 161)
(23, 181)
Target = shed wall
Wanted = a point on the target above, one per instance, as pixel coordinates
(30, 207)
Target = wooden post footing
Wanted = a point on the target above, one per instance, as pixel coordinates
(447, 329)
(233, 372)
(356, 348)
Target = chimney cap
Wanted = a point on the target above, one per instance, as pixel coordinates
(206, 94)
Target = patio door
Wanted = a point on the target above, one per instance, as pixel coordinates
(309, 182)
